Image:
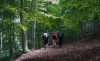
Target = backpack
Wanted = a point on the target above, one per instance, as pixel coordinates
(54, 36)
(60, 35)
(45, 37)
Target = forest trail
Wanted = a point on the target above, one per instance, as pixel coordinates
(82, 50)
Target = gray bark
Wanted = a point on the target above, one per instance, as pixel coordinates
(0, 41)
(24, 41)
(34, 22)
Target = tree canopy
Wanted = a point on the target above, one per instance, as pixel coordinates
(75, 17)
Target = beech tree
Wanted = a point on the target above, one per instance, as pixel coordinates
(22, 22)
(24, 40)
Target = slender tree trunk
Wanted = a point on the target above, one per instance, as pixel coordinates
(24, 41)
(10, 43)
(29, 37)
(14, 42)
(34, 31)
(81, 27)
(33, 34)
(32, 25)
(0, 41)
(35, 10)
(34, 22)
(1, 36)
(84, 31)
(96, 18)
(10, 29)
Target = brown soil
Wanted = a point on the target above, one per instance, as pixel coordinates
(81, 50)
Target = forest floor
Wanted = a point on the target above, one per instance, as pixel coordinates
(87, 49)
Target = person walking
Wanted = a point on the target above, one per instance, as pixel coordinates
(60, 37)
(45, 37)
(54, 38)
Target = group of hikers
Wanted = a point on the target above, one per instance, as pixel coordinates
(55, 37)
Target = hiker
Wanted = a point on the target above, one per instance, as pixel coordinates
(45, 37)
(60, 37)
(54, 38)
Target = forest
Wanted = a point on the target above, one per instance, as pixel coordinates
(22, 23)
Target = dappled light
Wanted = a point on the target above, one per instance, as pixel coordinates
(49, 30)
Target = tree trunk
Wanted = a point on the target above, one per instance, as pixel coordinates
(81, 27)
(11, 40)
(96, 20)
(34, 22)
(24, 41)
(11, 44)
(14, 42)
(29, 35)
(34, 31)
(0, 41)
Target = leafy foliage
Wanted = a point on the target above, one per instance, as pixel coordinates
(73, 16)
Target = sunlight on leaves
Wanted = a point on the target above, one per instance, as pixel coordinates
(23, 27)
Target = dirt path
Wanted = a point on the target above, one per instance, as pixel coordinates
(69, 52)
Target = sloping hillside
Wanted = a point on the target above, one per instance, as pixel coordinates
(82, 50)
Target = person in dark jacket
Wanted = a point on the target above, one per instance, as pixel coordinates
(60, 37)
(45, 37)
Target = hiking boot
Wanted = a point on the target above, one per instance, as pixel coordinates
(46, 45)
